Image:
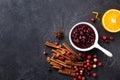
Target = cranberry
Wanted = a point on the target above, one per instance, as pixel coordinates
(74, 78)
(94, 65)
(83, 68)
(79, 77)
(88, 64)
(89, 68)
(68, 52)
(76, 73)
(44, 52)
(93, 19)
(95, 56)
(80, 54)
(106, 41)
(111, 38)
(89, 56)
(62, 58)
(104, 37)
(76, 69)
(88, 61)
(83, 78)
(56, 43)
(94, 74)
(100, 63)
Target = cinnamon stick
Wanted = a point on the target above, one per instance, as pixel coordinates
(74, 63)
(68, 48)
(52, 45)
(66, 72)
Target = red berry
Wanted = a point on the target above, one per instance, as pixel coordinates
(88, 61)
(62, 58)
(83, 78)
(100, 63)
(83, 68)
(89, 56)
(76, 69)
(44, 52)
(95, 56)
(88, 64)
(79, 77)
(74, 78)
(89, 68)
(56, 43)
(94, 74)
(106, 41)
(93, 19)
(111, 38)
(80, 54)
(104, 37)
(76, 73)
(68, 52)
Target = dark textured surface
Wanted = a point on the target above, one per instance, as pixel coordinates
(26, 24)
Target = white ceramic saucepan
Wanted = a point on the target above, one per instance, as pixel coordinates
(94, 45)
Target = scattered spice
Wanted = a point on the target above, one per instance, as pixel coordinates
(66, 61)
(59, 34)
(97, 15)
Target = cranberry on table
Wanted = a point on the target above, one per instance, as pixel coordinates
(94, 74)
(89, 56)
(83, 78)
(44, 52)
(95, 56)
(80, 54)
(111, 38)
(100, 63)
(93, 19)
(79, 77)
(104, 37)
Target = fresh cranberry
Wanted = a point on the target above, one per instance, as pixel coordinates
(76, 69)
(93, 19)
(83, 78)
(106, 41)
(111, 38)
(95, 56)
(89, 68)
(100, 63)
(104, 37)
(44, 52)
(88, 61)
(80, 54)
(68, 52)
(85, 66)
(89, 56)
(74, 78)
(79, 77)
(62, 58)
(56, 43)
(88, 64)
(94, 74)
(76, 73)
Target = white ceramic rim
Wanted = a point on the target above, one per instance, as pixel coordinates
(96, 37)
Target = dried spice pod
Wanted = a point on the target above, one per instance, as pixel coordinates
(59, 34)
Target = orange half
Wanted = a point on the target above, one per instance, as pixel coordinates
(111, 20)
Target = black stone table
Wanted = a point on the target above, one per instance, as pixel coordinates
(26, 24)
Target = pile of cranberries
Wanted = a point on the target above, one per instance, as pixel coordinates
(90, 63)
(83, 36)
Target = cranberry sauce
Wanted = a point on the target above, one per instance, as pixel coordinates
(83, 36)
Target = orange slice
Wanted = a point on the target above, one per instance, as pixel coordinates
(111, 20)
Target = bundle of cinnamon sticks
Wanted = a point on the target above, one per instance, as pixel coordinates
(63, 58)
